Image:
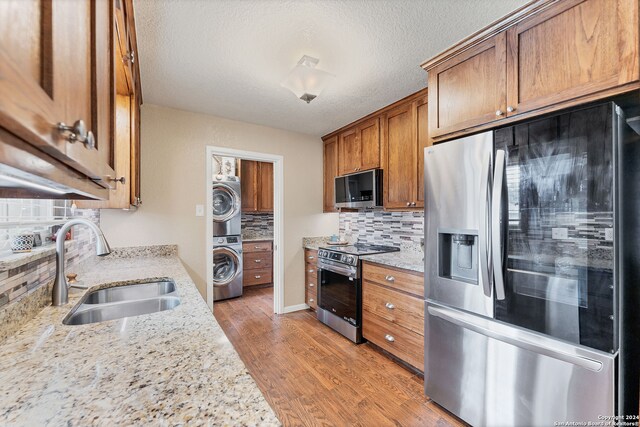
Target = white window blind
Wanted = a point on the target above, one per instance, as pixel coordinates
(30, 215)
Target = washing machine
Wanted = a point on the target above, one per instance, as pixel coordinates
(227, 267)
(226, 206)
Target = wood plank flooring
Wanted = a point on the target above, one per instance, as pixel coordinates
(312, 376)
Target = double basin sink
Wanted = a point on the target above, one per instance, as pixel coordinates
(122, 301)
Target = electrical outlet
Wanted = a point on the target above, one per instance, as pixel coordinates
(608, 234)
(560, 233)
(199, 210)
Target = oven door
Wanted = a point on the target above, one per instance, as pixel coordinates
(340, 293)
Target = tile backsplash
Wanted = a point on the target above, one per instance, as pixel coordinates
(387, 228)
(23, 274)
(257, 223)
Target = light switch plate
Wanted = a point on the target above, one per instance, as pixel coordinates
(199, 210)
(560, 233)
(608, 234)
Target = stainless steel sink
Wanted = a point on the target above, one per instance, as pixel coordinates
(130, 292)
(124, 301)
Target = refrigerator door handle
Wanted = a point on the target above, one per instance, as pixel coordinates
(483, 234)
(516, 337)
(496, 227)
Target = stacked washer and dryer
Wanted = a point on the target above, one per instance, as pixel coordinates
(227, 237)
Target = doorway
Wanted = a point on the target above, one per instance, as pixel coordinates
(273, 169)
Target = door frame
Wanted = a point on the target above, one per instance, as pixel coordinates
(278, 218)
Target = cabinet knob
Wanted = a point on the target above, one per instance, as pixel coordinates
(389, 338)
(129, 57)
(510, 109)
(310, 271)
(499, 113)
(408, 203)
(413, 203)
(256, 247)
(311, 299)
(310, 257)
(390, 306)
(257, 276)
(121, 180)
(390, 279)
(257, 261)
(78, 133)
(311, 285)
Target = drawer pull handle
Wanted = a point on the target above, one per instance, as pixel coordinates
(310, 271)
(310, 299)
(311, 257)
(257, 260)
(389, 338)
(311, 285)
(390, 306)
(390, 279)
(258, 276)
(256, 247)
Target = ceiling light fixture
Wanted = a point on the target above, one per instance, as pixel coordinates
(305, 80)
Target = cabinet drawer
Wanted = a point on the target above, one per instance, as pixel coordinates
(256, 246)
(402, 343)
(311, 299)
(257, 260)
(403, 280)
(311, 256)
(396, 307)
(257, 277)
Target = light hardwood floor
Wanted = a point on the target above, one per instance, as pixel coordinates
(311, 376)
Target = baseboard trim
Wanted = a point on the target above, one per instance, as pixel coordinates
(292, 308)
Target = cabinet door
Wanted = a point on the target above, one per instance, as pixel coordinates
(249, 185)
(265, 187)
(422, 129)
(349, 146)
(572, 49)
(469, 89)
(29, 106)
(329, 173)
(400, 151)
(369, 136)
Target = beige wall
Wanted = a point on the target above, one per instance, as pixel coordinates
(173, 182)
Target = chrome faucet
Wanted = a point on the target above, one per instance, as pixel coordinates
(60, 286)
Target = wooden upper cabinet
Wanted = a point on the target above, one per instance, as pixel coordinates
(349, 149)
(265, 189)
(545, 56)
(369, 136)
(248, 185)
(256, 184)
(469, 89)
(330, 166)
(570, 50)
(399, 140)
(55, 67)
(422, 123)
(359, 147)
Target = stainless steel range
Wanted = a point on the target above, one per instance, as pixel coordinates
(340, 292)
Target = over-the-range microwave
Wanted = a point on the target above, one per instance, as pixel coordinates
(360, 190)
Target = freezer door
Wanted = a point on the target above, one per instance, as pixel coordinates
(457, 214)
(492, 374)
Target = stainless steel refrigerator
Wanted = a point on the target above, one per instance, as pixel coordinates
(531, 271)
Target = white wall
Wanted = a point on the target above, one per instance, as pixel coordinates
(173, 182)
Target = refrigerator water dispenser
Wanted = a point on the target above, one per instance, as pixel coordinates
(458, 256)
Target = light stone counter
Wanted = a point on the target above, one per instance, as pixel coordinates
(407, 260)
(170, 368)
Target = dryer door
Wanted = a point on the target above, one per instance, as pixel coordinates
(226, 203)
(227, 264)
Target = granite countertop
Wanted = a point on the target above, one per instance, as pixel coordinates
(407, 260)
(168, 368)
(314, 242)
(256, 237)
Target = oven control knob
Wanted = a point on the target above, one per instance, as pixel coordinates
(343, 258)
(351, 260)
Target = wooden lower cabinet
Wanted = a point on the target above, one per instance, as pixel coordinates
(393, 311)
(257, 263)
(311, 278)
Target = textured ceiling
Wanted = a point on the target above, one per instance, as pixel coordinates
(228, 57)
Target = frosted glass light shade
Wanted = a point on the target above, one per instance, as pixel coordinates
(306, 81)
